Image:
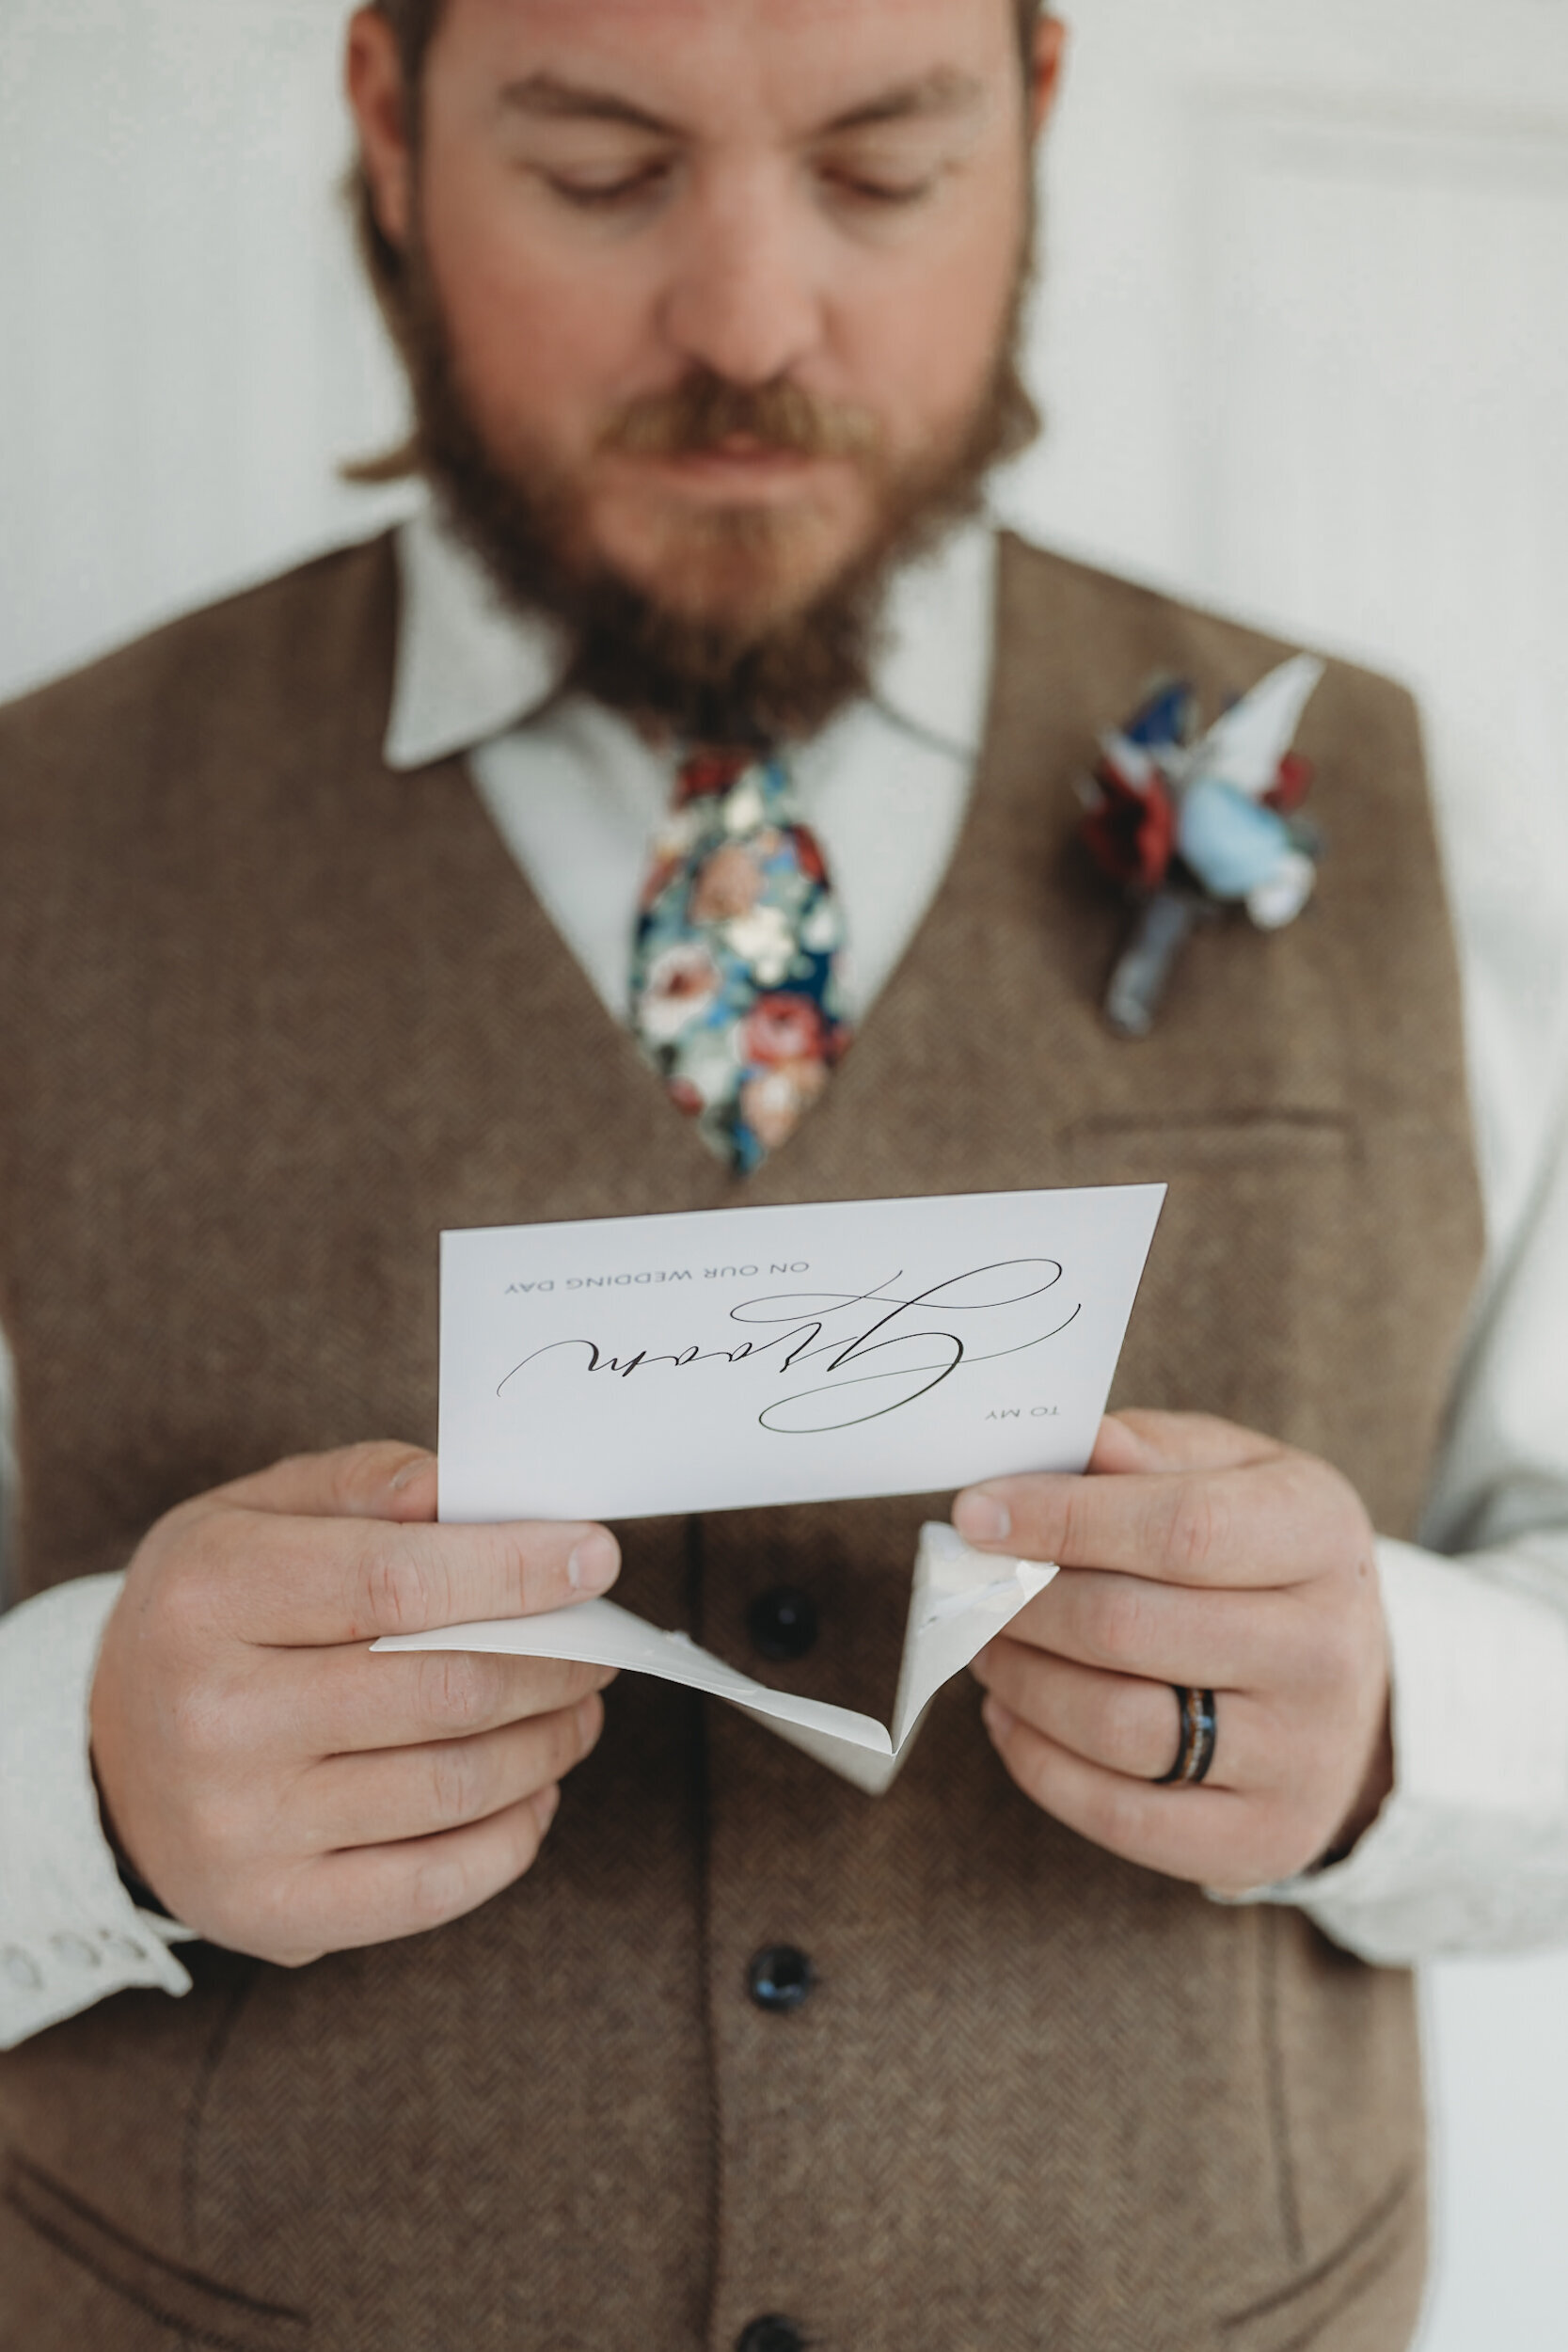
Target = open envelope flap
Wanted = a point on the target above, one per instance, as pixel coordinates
(959, 1601)
(599, 1633)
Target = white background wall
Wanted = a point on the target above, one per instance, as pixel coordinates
(1306, 354)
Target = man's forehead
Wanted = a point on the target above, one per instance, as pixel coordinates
(828, 56)
(645, 22)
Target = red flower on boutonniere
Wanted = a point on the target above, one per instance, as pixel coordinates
(1186, 824)
(1130, 829)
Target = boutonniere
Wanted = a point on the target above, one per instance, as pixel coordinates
(1188, 824)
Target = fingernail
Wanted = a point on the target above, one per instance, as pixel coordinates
(546, 1805)
(418, 1468)
(589, 1719)
(998, 1720)
(595, 1563)
(981, 1517)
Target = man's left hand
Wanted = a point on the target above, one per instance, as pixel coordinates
(1195, 1554)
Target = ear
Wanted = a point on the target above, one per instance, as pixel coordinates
(1045, 76)
(373, 76)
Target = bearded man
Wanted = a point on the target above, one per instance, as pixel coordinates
(517, 2012)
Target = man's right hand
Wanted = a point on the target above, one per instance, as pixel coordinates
(278, 1788)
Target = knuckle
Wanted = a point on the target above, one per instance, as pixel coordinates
(447, 1886)
(582, 1728)
(523, 1572)
(1115, 1620)
(459, 1782)
(547, 1685)
(527, 1838)
(457, 1689)
(399, 1591)
(438, 1891)
(170, 1617)
(202, 1724)
(1073, 1531)
(1032, 1772)
(1119, 1811)
(563, 1746)
(186, 1572)
(1196, 1528)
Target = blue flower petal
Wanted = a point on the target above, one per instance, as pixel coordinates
(1232, 842)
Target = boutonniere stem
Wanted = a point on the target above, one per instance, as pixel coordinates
(1160, 930)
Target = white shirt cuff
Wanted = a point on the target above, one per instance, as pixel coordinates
(1471, 1851)
(70, 1931)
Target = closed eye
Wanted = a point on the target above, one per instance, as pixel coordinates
(620, 194)
(864, 190)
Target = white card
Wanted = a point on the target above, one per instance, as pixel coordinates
(726, 1358)
(734, 1358)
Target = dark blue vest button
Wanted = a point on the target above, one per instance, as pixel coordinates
(781, 1624)
(772, 2335)
(780, 1978)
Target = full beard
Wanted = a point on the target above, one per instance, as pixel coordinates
(736, 662)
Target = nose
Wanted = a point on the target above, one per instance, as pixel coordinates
(743, 300)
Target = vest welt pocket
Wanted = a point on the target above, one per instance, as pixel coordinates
(1375, 2273)
(197, 2309)
(1116, 1150)
(1248, 1305)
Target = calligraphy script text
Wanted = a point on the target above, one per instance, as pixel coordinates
(881, 1350)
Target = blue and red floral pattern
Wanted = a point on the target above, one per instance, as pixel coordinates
(735, 997)
(1189, 823)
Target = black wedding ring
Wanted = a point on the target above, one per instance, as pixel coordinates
(1199, 1730)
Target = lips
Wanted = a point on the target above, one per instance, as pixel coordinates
(756, 458)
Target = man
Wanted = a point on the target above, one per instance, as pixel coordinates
(521, 2012)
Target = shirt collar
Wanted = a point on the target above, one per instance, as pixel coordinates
(469, 668)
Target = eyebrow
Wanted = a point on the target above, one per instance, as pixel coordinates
(549, 99)
(546, 97)
(940, 94)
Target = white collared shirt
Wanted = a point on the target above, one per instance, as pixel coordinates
(1471, 1850)
(576, 793)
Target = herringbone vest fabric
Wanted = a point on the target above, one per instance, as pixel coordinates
(270, 1017)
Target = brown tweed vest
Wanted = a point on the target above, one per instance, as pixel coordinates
(270, 1017)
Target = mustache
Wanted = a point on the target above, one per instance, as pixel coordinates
(705, 411)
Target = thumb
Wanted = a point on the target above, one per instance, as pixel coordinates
(385, 1480)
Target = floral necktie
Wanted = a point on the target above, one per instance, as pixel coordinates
(735, 997)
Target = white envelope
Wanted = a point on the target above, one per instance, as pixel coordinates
(722, 1360)
(960, 1600)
